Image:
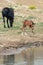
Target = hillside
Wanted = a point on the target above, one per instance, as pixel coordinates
(37, 3)
(22, 12)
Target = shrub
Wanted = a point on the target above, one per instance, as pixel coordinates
(32, 7)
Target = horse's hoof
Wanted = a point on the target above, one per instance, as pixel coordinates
(25, 33)
(8, 27)
(22, 34)
(4, 26)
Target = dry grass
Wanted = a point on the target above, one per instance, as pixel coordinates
(14, 33)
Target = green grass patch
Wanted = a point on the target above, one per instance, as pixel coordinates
(18, 24)
(31, 17)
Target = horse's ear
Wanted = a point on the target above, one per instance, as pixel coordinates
(33, 23)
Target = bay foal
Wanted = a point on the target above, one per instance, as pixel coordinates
(28, 23)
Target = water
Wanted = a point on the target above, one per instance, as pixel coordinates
(23, 56)
(38, 62)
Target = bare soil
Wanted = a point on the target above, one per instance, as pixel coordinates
(16, 41)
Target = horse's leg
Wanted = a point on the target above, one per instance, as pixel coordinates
(4, 22)
(33, 30)
(7, 23)
(23, 29)
(11, 22)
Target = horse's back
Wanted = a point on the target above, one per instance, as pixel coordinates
(11, 13)
(27, 22)
(8, 12)
(5, 11)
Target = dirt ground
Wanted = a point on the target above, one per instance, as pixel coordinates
(18, 40)
(9, 40)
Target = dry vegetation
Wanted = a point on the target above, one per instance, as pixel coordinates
(13, 35)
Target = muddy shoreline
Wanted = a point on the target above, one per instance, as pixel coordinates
(14, 49)
(20, 41)
(14, 43)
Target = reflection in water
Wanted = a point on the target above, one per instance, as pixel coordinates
(30, 56)
(38, 62)
(9, 60)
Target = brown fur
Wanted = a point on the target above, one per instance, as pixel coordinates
(28, 23)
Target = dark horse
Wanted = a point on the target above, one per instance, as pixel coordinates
(9, 14)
